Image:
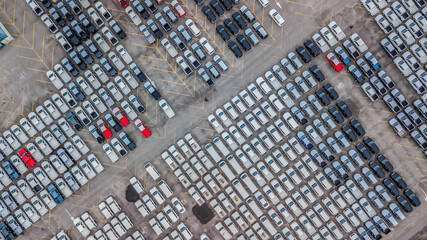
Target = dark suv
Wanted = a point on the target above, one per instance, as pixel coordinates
(312, 48)
(74, 121)
(303, 54)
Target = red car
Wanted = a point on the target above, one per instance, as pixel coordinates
(178, 8)
(104, 129)
(123, 3)
(25, 156)
(119, 115)
(141, 126)
(333, 60)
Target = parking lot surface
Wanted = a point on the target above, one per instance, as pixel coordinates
(34, 51)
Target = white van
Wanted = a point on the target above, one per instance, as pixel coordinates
(231, 226)
(196, 196)
(182, 178)
(248, 182)
(224, 200)
(284, 212)
(220, 145)
(190, 172)
(218, 209)
(141, 208)
(251, 153)
(169, 161)
(149, 202)
(260, 231)
(277, 154)
(243, 159)
(212, 184)
(226, 170)
(214, 154)
(219, 177)
(272, 164)
(260, 116)
(240, 189)
(240, 221)
(152, 171)
(236, 166)
(156, 226)
(221, 229)
(253, 206)
(267, 225)
(205, 160)
(233, 196)
(247, 214)
(164, 187)
(204, 190)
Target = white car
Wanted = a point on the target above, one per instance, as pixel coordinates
(100, 73)
(207, 46)
(42, 144)
(105, 210)
(130, 79)
(110, 232)
(59, 102)
(35, 120)
(370, 6)
(320, 42)
(25, 188)
(81, 226)
(51, 108)
(84, 85)
(80, 144)
(114, 91)
(39, 206)
(49, 170)
(88, 220)
(421, 21)
(332, 41)
(57, 163)
(62, 73)
(72, 151)
(131, 114)
(31, 212)
(79, 176)
(87, 169)
(357, 40)
(34, 152)
(17, 194)
(277, 17)
(41, 111)
(125, 221)
(18, 164)
(136, 184)
(22, 218)
(98, 103)
(28, 127)
(169, 48)
(116, 61)
(47, 199)
(63, 187)
(4, 146)
(93, 80)
(215, 123)
(42, 176)
(247, 98)
(193, 27)
(54, 79)
(96, 164)
(391, 17)
(19, 133)
(166, 108)
(336, 30)
(110, 152)
(65, 128)
(133, 16)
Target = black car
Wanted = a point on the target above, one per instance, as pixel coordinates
(6, 232)
(78, 29)
(199, 2)
(364, 151)
(85, 54)
(209, 14)
(86, 23)
(55, 16)
(420, 3)
(398, 180)
(223, 33)
(63, 9)
(317, 73)
(413, 199)
(231, 26)
(357, 75)
(349, 133)
(389, 47)
(77, 60)
(96, 133)
(303, 54)
(108, 67)
(357, 127)
(217, 7)
(137, 71)
(312, 48)
(141, 9)
(113, 122)
(46, 3)
(227, 4)
(156, 30)
(235, 49)
(391, 187)
(71, 36)
(74, 121)
(385, 163)
(244, 43)
(69, 67)
(117, 29)
(323, 97)
(331, 91)
(93, 48)
(372, 146)
(239, 19)
(376, 169)
(336, 115)
(404, 204)
(344, 109)
(150, 6)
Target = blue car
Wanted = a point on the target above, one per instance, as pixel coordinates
(342, 55)
(54, 192)
(304, 140)
(6, 232)
(372, 61)
(10, 170)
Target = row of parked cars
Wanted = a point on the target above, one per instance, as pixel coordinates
(408, 49)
